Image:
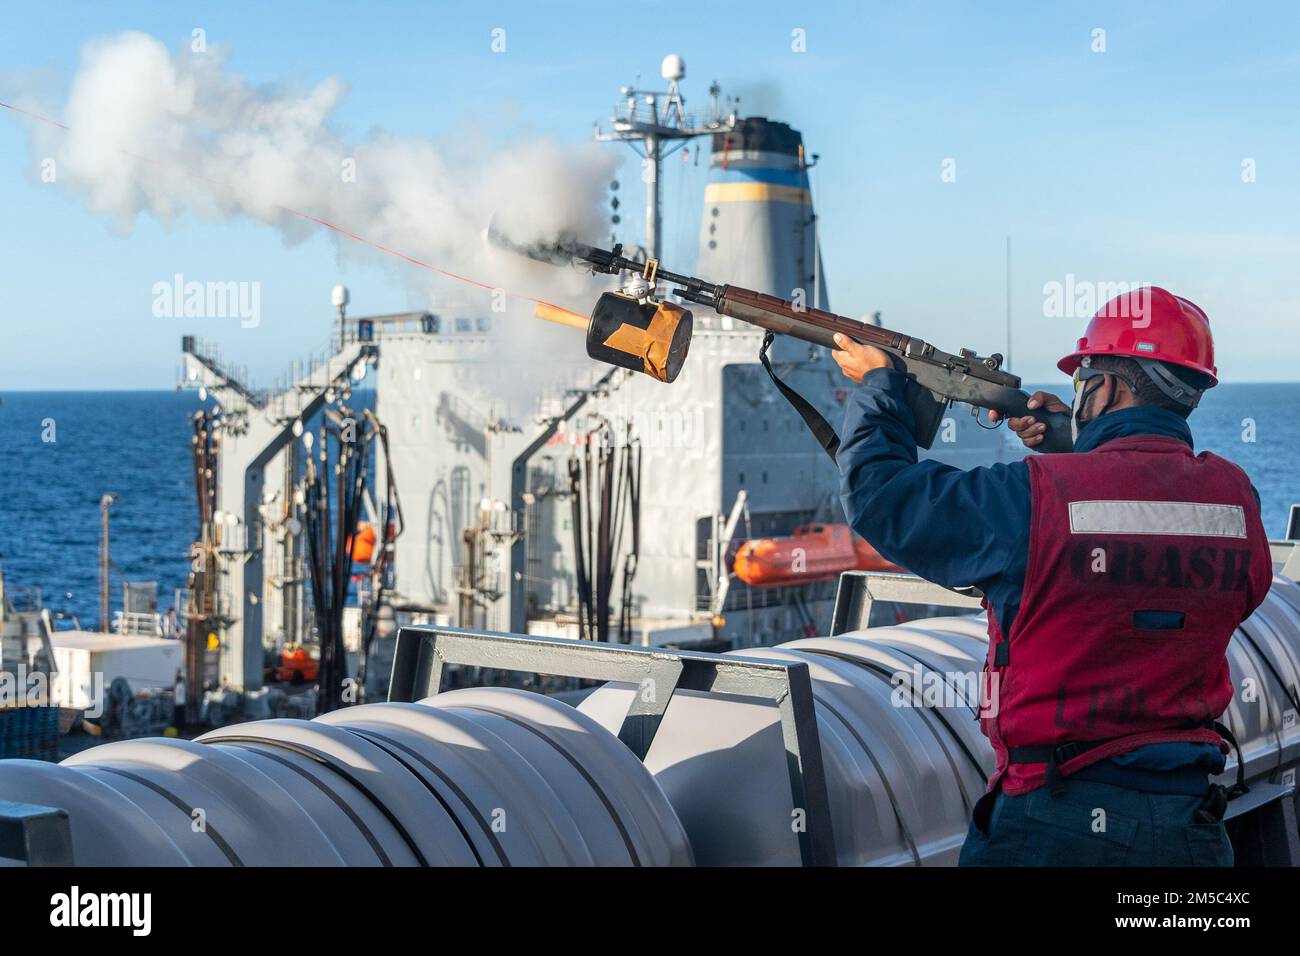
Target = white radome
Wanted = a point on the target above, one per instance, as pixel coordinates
(673, 68)
(339, 295)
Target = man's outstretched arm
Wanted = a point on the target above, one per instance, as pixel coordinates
(949, 526)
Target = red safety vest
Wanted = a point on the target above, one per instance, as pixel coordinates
(1143, 559)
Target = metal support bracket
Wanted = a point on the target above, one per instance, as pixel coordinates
(1262, 824)
(1286, 554)
(858, 591)
(423, 652)
(35, 835)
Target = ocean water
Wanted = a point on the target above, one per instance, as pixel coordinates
(1258, 427)
(136, 445)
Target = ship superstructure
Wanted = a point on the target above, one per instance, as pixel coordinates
(606, 505)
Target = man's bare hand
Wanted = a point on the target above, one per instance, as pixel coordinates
(856, 360)
(1030, 430)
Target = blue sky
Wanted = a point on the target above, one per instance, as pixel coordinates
(1117, 166)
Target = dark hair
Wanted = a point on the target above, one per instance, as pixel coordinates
(1145, 391)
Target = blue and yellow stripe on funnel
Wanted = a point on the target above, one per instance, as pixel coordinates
(757, 184)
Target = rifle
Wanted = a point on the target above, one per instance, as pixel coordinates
(653, 337)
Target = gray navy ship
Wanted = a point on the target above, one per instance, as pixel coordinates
(546, 656)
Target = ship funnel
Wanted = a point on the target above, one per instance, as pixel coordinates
(759, 230)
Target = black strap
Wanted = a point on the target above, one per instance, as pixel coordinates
(1064, 753)
(1214, 806)
(1239, 787)
(1054, 757)
(816, 423)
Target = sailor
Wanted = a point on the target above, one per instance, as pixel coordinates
(1113, 578)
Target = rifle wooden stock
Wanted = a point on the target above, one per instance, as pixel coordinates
(938, 377)
(810, 325)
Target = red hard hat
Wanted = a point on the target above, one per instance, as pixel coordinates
(1149, 323)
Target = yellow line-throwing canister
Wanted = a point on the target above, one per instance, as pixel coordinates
(651, 337)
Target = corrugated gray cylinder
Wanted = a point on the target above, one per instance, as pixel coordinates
(493, 776)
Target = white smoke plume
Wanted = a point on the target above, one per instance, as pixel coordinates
(162, 134)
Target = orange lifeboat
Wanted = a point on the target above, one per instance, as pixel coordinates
(363, 545)
(815, 552)
(297, 665)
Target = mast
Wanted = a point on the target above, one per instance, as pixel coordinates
(1007, 360)
(104, 504)
(655, 124)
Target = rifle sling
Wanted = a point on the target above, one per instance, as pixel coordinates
(817, 424)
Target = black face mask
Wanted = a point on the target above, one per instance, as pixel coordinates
(1081, 398)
